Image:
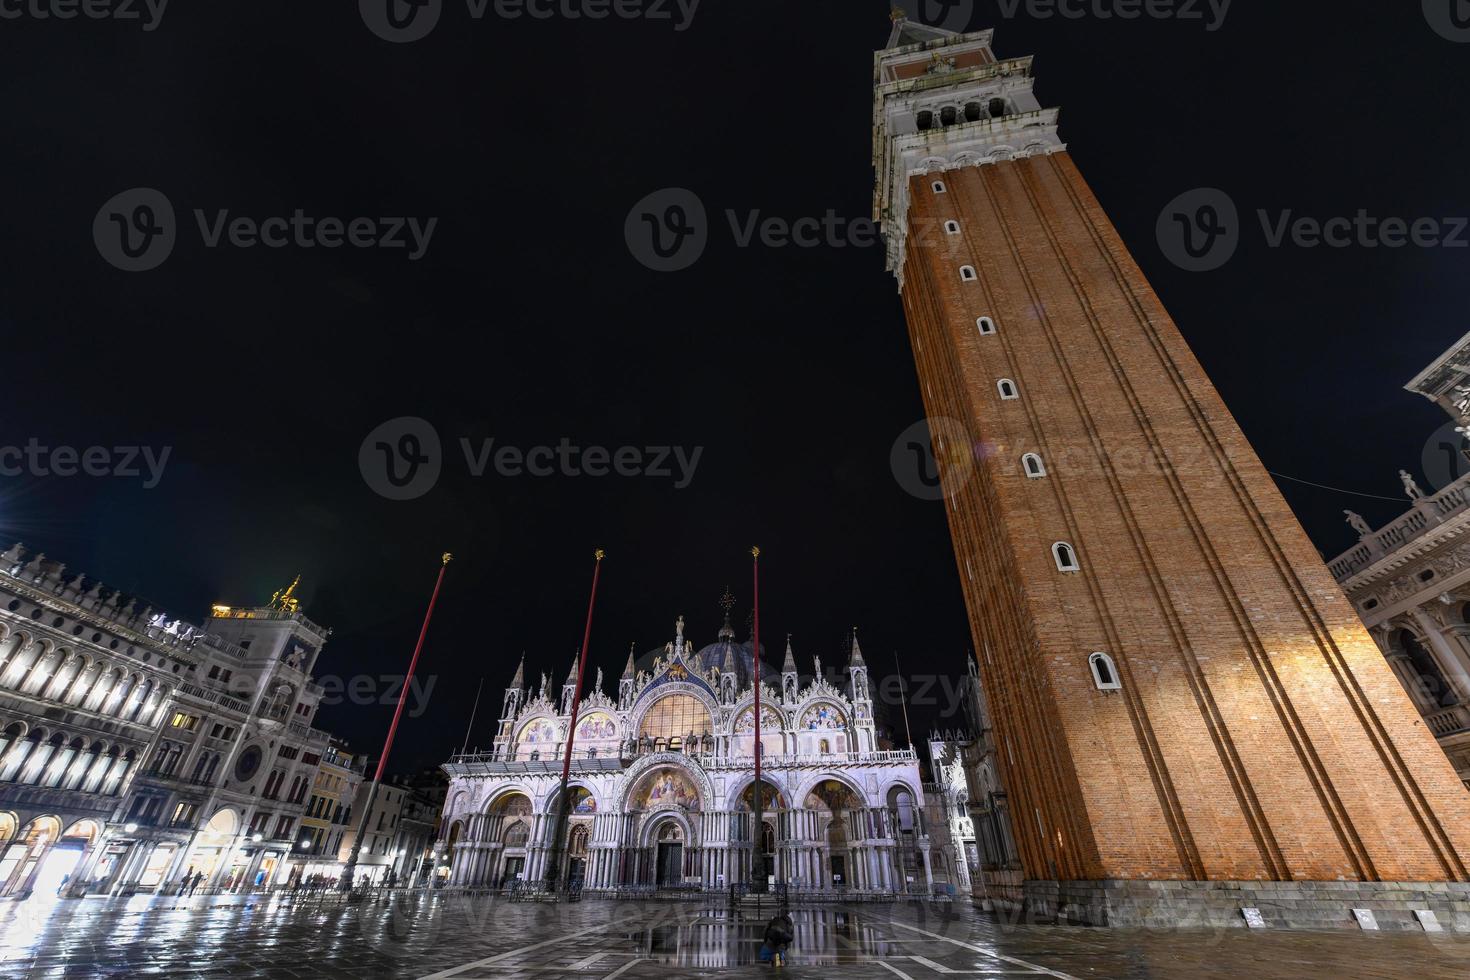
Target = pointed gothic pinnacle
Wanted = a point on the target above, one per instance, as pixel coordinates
(630, 671)
(519, 680)
(857, 652)
(789, 667)
(572, 674)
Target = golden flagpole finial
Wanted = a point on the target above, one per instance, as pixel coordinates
(599, 554)
(446, 558)
(755, 552)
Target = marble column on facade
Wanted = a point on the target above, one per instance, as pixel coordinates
(928, 869)
(1444, 652)
(1402, 666)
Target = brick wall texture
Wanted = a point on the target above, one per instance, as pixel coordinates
(1259, 734)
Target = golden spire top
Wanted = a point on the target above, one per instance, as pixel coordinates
(897, 14)
(286, 600)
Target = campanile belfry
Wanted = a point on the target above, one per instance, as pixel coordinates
(1181, 692)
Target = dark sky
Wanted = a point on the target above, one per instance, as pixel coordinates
(528, 320)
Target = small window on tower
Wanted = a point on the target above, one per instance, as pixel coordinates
(997, 108)
(948, 115)
(951, 227)
(967, 273)
(939, 187)
(926, 120)
(1035, 469)
(985, 325)
(1105, 672)
(1007, 389)
(1066, 557)
(974, 112)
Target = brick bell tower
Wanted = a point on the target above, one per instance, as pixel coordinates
(1181, 691)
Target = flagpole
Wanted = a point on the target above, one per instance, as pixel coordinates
(903, 699)
(345, 884)
(473, 711)
(758, 849)
(554, 859)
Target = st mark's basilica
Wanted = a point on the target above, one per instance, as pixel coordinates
(664, 776)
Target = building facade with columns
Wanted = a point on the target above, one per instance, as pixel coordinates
(137, 749)
(969, 811)
(85, 686)
(663, 780)
(1410, 579)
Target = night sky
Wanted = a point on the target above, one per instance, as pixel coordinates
(529, 321)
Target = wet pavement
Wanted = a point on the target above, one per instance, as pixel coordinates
(452, 938)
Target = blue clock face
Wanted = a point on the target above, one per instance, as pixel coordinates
(248, 763)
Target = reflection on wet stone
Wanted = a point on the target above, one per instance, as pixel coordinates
(455, 937)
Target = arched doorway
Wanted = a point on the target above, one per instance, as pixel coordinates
(835, 805)
(577, 852)
(669, 855)
(215, 855)
(33, 864)
(581, 811)
(773, 804)
(514, 810)
(906, 826)
(662, 799)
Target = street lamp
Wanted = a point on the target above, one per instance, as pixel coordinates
(257, 838)
(130, 828)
